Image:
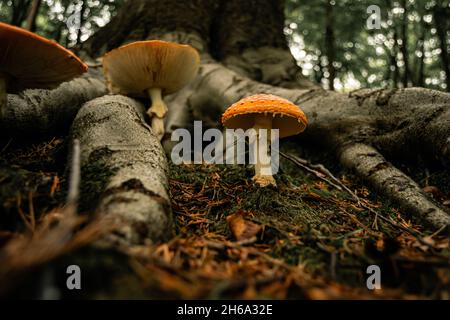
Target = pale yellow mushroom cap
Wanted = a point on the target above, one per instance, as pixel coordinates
(135, 68)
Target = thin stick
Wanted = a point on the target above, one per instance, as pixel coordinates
(22, 214)
(31, 214)
(304, 166)
(75, 173)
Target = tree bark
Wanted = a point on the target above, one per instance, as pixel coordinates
(330, 43)
(420, 61)
(404, 46)
(124, 170)
(393, 123)
(394, 70)
(440, 19)
(45, 112)
(82, 12)
(31, 19)
(394, 60)
(19, 11)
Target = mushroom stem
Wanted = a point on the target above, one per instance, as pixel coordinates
(3, 83)
(157, 112)
(263, 122)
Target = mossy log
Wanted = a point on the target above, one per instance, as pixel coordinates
(124, 170)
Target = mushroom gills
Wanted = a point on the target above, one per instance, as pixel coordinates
(3, 96)
(157, 112)
(263, 122)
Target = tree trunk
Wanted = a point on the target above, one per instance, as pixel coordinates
(244, 52)
(31, 19)
(330, 43)
(420, 79)
(80, 27)
(318, 74)
(394, 68)
(124, 170)
(440, 19)
(396, 77)
(19, 11)
(404, 46)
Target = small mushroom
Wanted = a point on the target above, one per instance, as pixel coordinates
(31, 61)
(150, 69)
(265, 111)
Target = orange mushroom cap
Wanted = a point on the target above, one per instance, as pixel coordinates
(31, 61)
(287, 117)
(139, 66)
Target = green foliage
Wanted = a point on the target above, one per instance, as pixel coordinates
(357, 56)
(364, 57)
(65, 21)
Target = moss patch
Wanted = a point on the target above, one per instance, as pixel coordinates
(316, 242)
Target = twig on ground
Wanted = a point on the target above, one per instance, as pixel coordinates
(305, 164)
(74, 180)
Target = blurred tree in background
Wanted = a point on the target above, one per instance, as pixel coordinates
(329, 38)
(65, 21)
(333, 45)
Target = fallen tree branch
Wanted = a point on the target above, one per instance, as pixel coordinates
(124, 170)
(43, 112)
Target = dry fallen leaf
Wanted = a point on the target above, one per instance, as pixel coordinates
(54, 186)
(242, 228)
(431, 242)
(435, 192)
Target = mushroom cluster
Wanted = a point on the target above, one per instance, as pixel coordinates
(265, 112)
(150, 69)
(31, 61)
(147, 69)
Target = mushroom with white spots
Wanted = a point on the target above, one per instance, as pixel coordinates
(265, 112)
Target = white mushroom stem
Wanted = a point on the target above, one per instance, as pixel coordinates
(157, 112)
(263, 171)
(3, 82)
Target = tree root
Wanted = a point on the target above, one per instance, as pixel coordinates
(370, 165)
(339, 119)
(44, 112)
(124, 165)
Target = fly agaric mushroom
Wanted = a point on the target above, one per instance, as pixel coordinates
(150, 69)
(31, 61)
(265, 112)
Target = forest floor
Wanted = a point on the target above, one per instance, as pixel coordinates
(306, 239)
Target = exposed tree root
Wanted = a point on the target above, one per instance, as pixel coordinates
(238, 62)
(124, 165)
(368, 163)
(415, 119)
(38, 111)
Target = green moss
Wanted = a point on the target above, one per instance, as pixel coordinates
(94, 178)
(283, 210)
(304, 222)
